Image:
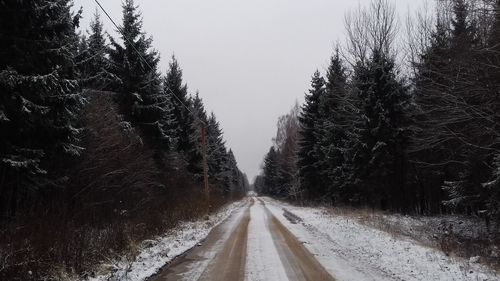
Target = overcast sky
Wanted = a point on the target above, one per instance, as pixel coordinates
(250, 59)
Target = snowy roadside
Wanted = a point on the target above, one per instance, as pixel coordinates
(350, 250)
(154, 254)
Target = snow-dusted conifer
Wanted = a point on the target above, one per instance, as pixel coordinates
(40, 97)
(493, 189)
(216, 150)
(94, 63)
(141, 97)
(133, 61)
(467, 193)
(184, 122)
(270, 170)
(381, 134)
(332, 125)
(199, 110)
(310, 178)
(234, 176)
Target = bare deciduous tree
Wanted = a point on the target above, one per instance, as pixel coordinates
(370, 29)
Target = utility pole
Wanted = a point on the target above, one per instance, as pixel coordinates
(205, 166)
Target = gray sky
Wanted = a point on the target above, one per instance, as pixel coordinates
(250, 59)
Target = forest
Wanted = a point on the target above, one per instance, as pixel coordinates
(406, 118)
(98, 149)
(102, 151)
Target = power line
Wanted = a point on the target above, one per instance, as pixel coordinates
(146, 62)
(203, 129)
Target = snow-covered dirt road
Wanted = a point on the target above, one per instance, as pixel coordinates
(269, 240)
(251, 245)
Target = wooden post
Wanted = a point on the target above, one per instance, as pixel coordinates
(205, 167)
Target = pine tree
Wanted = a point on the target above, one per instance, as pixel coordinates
(381, 135)
(40, 97)
(310, 178)
(332, 126)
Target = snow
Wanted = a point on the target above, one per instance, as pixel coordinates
(427, 228)
(263, 261)
(3, 117)
(154, 254)
(350, 250)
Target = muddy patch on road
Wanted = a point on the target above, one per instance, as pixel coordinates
(200, 262)
(229, 264)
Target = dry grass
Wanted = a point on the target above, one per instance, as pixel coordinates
(456, 236)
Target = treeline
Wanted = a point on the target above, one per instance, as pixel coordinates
(98, 149)
(405, 125)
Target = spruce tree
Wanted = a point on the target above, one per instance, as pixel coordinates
(381, 134)
(199, 110)
(234, 175)
(185, 123)
(467, 194)
(270, 170)
(332, 126)
(308, 158)
(493, 188)
(141, 98)
(97, 45)
(216, 150)
(463, 31)
(134, 63)
(494, 36)
(493, 202)
(201, 117)
(431, 142)
(95, 64)
(168, 123)
(40, 97)
(82, 56)
(465, 96)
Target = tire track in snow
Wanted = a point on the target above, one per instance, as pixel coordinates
(299, 263)
(251, 245)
